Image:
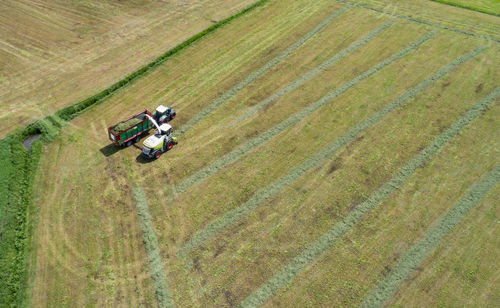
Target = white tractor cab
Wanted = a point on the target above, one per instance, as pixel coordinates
(164, 114)
(160, 142)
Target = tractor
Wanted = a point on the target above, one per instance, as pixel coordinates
(164, 114)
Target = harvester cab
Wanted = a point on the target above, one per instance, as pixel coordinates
(160, 142)
(164, 114)
(165, 129)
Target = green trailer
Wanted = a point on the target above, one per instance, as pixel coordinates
(130, 130)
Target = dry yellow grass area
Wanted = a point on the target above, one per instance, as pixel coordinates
(89, 249)
(56, 53)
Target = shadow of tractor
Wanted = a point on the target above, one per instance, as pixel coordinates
(143, 160)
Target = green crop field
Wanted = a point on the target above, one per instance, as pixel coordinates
(485, 6)
(331, 153)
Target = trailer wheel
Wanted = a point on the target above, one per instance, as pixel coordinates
(129, 143)
(170, 145)
(158, 154)
(137, 138)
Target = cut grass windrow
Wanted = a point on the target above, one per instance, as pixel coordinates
(489, 38)
(418, 252)
(325, 241)
(151, 246)
(256, 74)
(310, 74)
(216, 226)
(253, 143)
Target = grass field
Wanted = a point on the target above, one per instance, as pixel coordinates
(54, 53)
(330, 153)
(485, 6)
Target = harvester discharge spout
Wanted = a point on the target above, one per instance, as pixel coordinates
(154, 122)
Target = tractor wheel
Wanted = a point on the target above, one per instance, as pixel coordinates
(170, 145)
(158, 154)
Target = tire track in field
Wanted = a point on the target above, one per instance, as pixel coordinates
(256, 74)
(150, 241)
(428, 23)
(325, 241)
(310, 74)
(216, 226)
(253, 143)
(418, 252)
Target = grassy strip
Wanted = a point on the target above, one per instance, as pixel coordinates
(418, 252)
(308, 255)
(151, 245)
(310, 74)
(8, 223)
(17, 217)
(72, 111)
(17, 169)
(253, 143)
(256, 74)
(421, 21)
(468, 7)
(216, 226)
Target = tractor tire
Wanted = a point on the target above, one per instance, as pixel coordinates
(170, 145)
(158, 154)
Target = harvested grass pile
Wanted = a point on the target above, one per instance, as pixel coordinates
(124, 125)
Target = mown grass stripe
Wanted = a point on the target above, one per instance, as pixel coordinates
(310, 74)
(216, 226)
(150, 241)
(325, 241)
(418, 252)
(489, 38)
(253, 143)
(256, 74)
